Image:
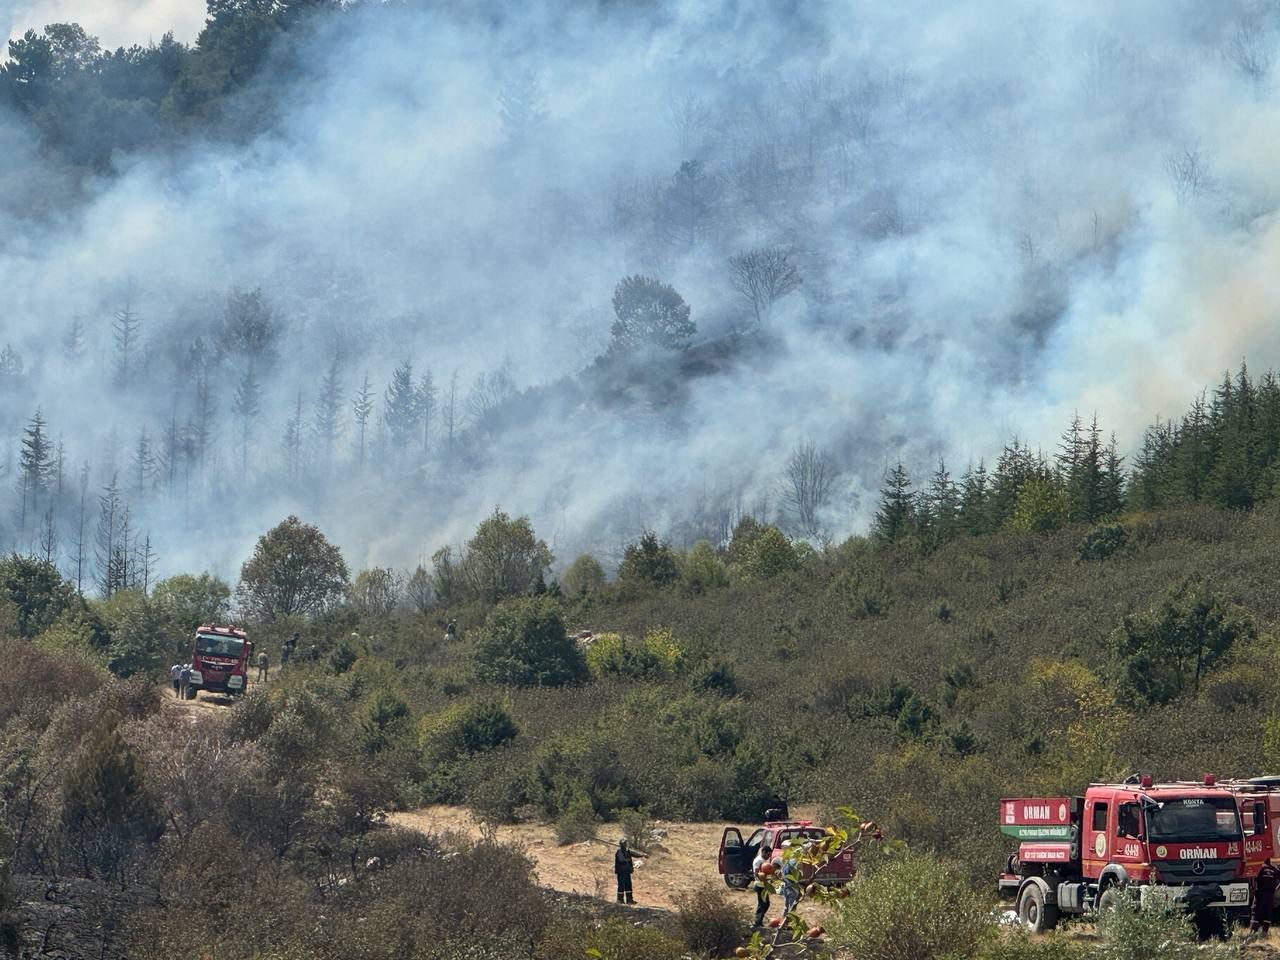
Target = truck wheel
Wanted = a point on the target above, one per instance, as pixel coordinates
(1109, 900)
(1036, 915)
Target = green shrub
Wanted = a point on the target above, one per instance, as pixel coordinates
(912, 909)
(465, 729)
(1102, 542)
(1130, 932)
(715, 676)
(578, 822)
(709, 921)
(524, 644)
(1019, 945)
(584, 577)
(612, 940)
(637, 827)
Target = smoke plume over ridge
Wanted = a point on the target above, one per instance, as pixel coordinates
(1000, 214)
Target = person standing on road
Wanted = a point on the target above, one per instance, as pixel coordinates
(184, 682)
(623, 865)
(790, 881)
(175, 674)
(285, 653)
(759, 885)
(1264, 896)
(263, 661)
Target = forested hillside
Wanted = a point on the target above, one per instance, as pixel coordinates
(918, 683)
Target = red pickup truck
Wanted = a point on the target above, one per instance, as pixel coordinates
(736, 854)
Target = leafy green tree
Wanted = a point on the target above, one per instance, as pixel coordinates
(584, 576)
(524, 644)
(187, 602)
(649, 561)
(648, 312)
(1165, 652)
(139, 641)
(505, 558)
(1042, 507)
(37, 591)
(771, 555)
(701, 570)
(294, 571)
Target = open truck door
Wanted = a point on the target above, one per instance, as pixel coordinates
(734, 861)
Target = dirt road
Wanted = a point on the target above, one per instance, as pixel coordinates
(684, 859)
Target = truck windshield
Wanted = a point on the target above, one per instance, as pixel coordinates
(1192, 819)
(215, 646)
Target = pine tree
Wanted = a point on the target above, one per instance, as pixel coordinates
(328, 412)
(1015, 467)
(171, 455)
(48, 536)
(426, 408)
(293, 441)
(201, 424)
(896, 516)
(144, 564)
(80, 559)
(73, 341)
(1111, 491)
(362, 407)
(126, 329)
(449, 414)
(400, 408)
(35, 468)
(111, 530)
(943, 501)
(975, 518)
(144, 466)
(246, 405)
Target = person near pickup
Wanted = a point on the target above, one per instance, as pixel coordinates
(623, 865)
(759, 885)
(790, 882)
(1264, 896)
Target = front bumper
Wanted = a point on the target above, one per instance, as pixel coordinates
(1197, 896)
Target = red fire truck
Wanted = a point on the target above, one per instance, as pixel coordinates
(220, 658)
(736, 855)
(1259, 803)
(1179, 842)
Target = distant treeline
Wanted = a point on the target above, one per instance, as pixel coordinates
(1222, 451)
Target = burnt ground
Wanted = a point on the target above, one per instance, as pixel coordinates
(73, 919)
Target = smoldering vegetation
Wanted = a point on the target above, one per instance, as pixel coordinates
(364, 262)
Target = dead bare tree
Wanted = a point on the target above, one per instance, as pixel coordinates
(1188, 168)
(762, 277)
(1249, 50)
(810, 475)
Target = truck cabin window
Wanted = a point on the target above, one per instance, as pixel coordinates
(1129, 825)
(214, 646)
(1100, 816)
(1194, 819)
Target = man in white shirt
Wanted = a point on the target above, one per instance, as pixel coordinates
(175, 674)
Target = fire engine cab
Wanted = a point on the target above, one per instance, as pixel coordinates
(1178, 842)
(220, 658)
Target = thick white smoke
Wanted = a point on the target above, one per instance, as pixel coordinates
(1001, 213)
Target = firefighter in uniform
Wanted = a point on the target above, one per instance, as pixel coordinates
(623, 865)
